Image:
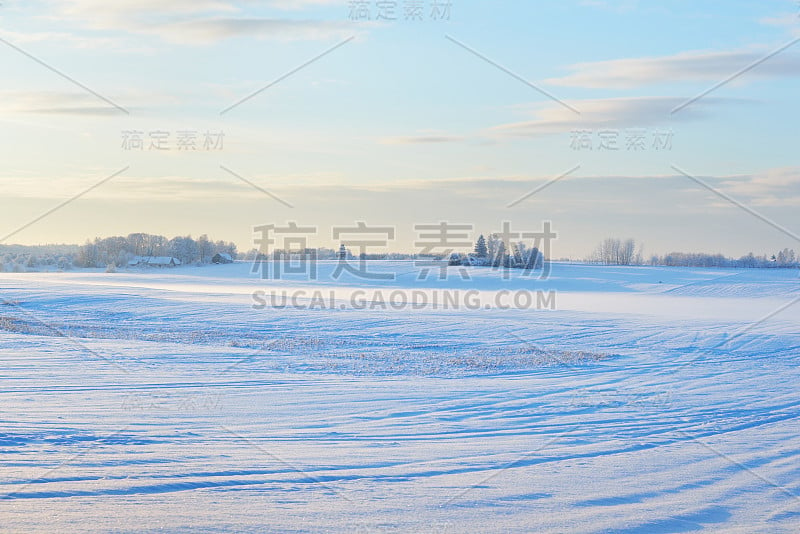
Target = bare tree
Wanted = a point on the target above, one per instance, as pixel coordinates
(613, 251)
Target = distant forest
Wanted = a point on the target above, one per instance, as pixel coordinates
(613, 251)
(111, 252)
(116, 252)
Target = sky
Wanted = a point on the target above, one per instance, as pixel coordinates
(674, 123)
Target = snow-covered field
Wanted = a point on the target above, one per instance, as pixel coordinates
(649, 400)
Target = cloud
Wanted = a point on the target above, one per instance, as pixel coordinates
(684, 67)
(773, 187)
(171, 188)
(74, 40)
(303, 4)
(210, 30)
(421, 139)
(629, 193)
(786, 20)
(200, 21)
(104, 14)
(633, 112)
(54, 103)
(80, 103)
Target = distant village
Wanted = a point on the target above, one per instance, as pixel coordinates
(147, 251)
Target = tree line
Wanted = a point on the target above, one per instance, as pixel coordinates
(112, 252)
(118, 250)
(615, 251)
(784, 259)
(21, 258)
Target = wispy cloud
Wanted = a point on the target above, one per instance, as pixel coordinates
(684, 67)
(790, 21)
(302, 4)
(780, 186)
(53, 103)
(199, 21)
(210, 30)
(634, 112)
(425, 138)
(78, 103)
(787, 19)
(773, 187)
(74, 40)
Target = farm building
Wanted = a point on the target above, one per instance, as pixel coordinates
(154, 261)
(222, 257)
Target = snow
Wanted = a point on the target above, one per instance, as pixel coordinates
(650, 400)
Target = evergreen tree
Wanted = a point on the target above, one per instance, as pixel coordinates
(480, 247)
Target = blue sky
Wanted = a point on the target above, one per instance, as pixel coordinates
(404, 123)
